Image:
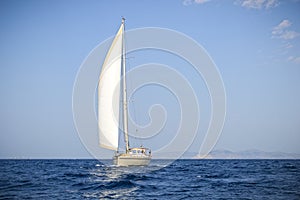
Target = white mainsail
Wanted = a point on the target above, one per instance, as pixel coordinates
(109, 95)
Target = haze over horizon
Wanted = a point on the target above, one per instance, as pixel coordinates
(254, 44)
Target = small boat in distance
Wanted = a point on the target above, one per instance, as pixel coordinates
(112, 84)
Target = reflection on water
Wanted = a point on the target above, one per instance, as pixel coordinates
(114, 181)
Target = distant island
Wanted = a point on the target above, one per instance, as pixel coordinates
(248, 154)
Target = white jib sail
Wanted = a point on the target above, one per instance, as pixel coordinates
(109, 95)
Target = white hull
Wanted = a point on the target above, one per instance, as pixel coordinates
(131, 160)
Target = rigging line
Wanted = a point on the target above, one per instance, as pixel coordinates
(133, 104)
(132, 101)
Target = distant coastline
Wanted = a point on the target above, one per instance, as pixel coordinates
(215, 154)
(247, 154)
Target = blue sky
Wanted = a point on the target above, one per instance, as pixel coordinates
(255, 44)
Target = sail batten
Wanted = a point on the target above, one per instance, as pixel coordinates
(109, 95)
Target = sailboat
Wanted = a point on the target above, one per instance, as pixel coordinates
(111, 88)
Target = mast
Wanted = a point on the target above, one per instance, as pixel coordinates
(125, 109)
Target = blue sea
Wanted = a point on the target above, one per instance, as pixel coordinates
(183, 179)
